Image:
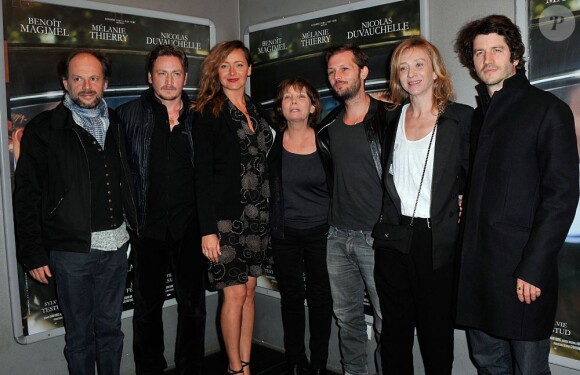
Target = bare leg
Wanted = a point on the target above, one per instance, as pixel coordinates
(247, 329)
(231, 322)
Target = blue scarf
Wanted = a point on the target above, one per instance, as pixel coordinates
(95, 121)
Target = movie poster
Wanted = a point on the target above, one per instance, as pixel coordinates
(554, 50)
(295, 46)
(37, 35)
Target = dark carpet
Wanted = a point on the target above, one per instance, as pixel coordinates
(265, 361)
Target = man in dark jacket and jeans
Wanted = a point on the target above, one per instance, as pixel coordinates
(520, 204)
(72, 206)
(349, 140)
(160, 152)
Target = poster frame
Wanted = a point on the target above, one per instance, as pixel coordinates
(8, 240)
(321, 13)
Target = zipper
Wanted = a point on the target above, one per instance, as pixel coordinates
(88, 171)
(57, 204)
(126, 181)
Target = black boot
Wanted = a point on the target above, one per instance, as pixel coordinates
(299, 370)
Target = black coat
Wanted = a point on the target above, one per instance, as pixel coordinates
(52, 195)
(521, 202)
(449, 178)
(217, 167)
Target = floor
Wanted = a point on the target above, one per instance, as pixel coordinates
(265, 361)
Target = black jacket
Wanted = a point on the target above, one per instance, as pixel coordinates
(138, 121)
(52, 195)
(217, 167)
(450, 166)
(277, 187)
(374, 124)
(521, 201)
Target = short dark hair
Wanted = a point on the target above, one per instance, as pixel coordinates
(103, 59)
(166, 50)
(497, 24)
(360, 57)
(298, 84)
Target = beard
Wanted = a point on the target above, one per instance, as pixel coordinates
(90, 105)
(350, 91)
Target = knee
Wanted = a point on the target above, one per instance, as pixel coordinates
(236, 298)
(250, 293)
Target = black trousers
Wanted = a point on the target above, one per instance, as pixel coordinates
(413, 295)
(304, 252)
(153, 259)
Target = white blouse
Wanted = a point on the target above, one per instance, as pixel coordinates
(407, 168)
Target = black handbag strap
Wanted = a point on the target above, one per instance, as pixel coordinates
(425, 167)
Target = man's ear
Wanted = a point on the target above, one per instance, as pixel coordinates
(364, 72)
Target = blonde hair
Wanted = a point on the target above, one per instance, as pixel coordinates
(442, 86)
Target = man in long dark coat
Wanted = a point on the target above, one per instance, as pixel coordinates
(520, 204)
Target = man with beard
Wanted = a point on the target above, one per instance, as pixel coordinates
(73, 203)
(519, 206)
(349, 140)
(158, 128)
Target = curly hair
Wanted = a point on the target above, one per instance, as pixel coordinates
(497, 24)
(210, 88)
(297, 84)
(442, 86)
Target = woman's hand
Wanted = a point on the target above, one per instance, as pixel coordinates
(210, 246)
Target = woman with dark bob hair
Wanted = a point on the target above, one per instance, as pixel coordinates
(426, 157)
(299, 225)
(231, 140)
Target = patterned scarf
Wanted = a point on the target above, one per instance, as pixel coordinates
(95, 121)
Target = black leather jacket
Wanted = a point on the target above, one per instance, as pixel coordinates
(138, 121)
(52, 195)
(375, 122)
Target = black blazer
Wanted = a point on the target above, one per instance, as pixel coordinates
(217, 167)
(449, 177)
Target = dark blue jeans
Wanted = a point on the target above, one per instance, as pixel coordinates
(90, 289)
(496, 356)
(303, 252)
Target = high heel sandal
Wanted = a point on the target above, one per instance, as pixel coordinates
(245, 364)
(232, 372)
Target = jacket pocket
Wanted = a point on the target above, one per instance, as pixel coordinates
(54, 207)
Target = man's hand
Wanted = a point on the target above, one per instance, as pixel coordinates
(41, 274)
(527, 292)
(210, 245)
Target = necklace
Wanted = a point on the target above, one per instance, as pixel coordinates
(174, 120)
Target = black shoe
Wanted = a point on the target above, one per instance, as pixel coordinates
(317, 371)
(298, 370)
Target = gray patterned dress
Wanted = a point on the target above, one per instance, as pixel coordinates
(243, 242)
